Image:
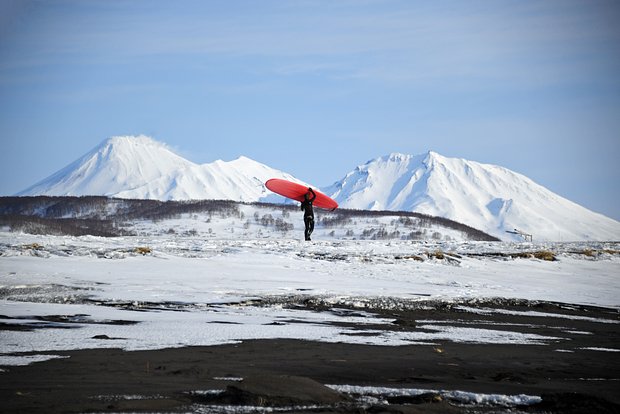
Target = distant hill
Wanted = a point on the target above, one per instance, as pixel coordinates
(103, 216)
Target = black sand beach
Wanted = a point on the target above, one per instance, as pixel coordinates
(576, 374)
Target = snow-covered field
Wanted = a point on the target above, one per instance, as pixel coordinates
(169, 291)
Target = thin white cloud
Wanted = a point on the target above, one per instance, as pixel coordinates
(463, 44)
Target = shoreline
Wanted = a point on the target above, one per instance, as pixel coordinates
(578, 372)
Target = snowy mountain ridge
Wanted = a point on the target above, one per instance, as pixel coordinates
(142, 168)
(488, 197)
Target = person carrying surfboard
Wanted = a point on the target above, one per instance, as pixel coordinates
(306, 206)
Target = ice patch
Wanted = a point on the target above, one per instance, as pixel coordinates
(461, 397)
(247, 409)
(205, 393)
(134, 397)
(16, 360)
(480, 336)
(593, 348)
(488, 311)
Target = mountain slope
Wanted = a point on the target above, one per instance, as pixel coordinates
(484, 196)
(117, 164)
(140, 167)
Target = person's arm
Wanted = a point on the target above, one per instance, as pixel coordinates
(313, 194)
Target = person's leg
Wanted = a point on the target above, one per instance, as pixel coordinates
(311, 225)
(307, 229)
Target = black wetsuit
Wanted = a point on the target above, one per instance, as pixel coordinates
(306, 206)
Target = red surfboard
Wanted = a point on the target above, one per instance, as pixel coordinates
(297, 192)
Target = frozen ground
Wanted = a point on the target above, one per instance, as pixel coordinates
(157, 292)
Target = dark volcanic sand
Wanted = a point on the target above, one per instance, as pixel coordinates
(287, 373)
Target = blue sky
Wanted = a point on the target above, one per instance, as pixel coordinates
(317, 87)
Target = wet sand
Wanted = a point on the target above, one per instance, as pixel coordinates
(577, 374)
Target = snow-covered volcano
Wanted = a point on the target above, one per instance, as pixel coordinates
(488, 197)
(140, 167)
